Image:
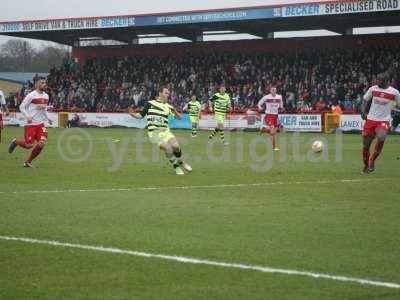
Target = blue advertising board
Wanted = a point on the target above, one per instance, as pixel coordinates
(183, 123)
(133, 21)
(229, 15)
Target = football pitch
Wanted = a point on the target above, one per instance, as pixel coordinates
(103, 216)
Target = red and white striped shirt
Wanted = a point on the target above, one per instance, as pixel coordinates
(35, 106)
(383, 100)
(272, 104)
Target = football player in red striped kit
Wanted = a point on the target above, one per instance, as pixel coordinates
(34, 109)
(377, 106)
(273, 105)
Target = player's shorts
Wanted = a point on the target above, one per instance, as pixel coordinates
(1, 121)
(272, 121)
(194, 119)
(372, 127)
(220, 118)
(160, 137)
(35, 133)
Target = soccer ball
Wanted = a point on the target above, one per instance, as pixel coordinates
(317, 146)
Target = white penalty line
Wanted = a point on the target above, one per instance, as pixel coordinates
(189, 260)
(193, 187)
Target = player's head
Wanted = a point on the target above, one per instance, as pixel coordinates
(41, 84)
(163, 93)
(273, 90)
(382, 80)
(222, 88)
(193, 97)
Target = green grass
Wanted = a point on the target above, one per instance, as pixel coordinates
(338, 228)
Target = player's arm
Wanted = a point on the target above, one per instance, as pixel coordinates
(23, 108)
(397, 102)
(211, 102)
(48, 117)
(261, 104)
(366, 104)
(176, 114)
(140, 115)
(281, 106)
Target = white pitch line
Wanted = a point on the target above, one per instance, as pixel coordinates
(190, 260)
(193, 187)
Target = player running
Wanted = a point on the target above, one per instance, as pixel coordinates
(378, 103)
(273, 104)
(157, 113)
(220, 103)
(3, 108)
(34, 109)
(194, 108)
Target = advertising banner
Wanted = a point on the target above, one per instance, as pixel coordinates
(339, 7)
(68, 24)
(294, 10)
(17, 119)
(109, 120)
(132, 21)
(351, 123)
(183, 123)
(355, 123)
(232, 121)
(249, 120)
(301, 123)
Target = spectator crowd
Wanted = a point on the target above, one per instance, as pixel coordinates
(309, 80)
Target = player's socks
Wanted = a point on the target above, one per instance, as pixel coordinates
(22, 144)
(377, 152)
(178, 155)
(366, 156)
(181, 163)
(213, 133)
(365, 170)
(35, 152)
(273, 141)
(12, 146)
(222, 135)
(194, 131)
(172, 160)
(175, 163)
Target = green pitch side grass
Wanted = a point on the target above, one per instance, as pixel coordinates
(304, 218)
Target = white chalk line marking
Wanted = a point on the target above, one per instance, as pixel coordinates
(189, 260)
(193, 187)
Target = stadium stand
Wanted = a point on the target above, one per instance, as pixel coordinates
(311, 74)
